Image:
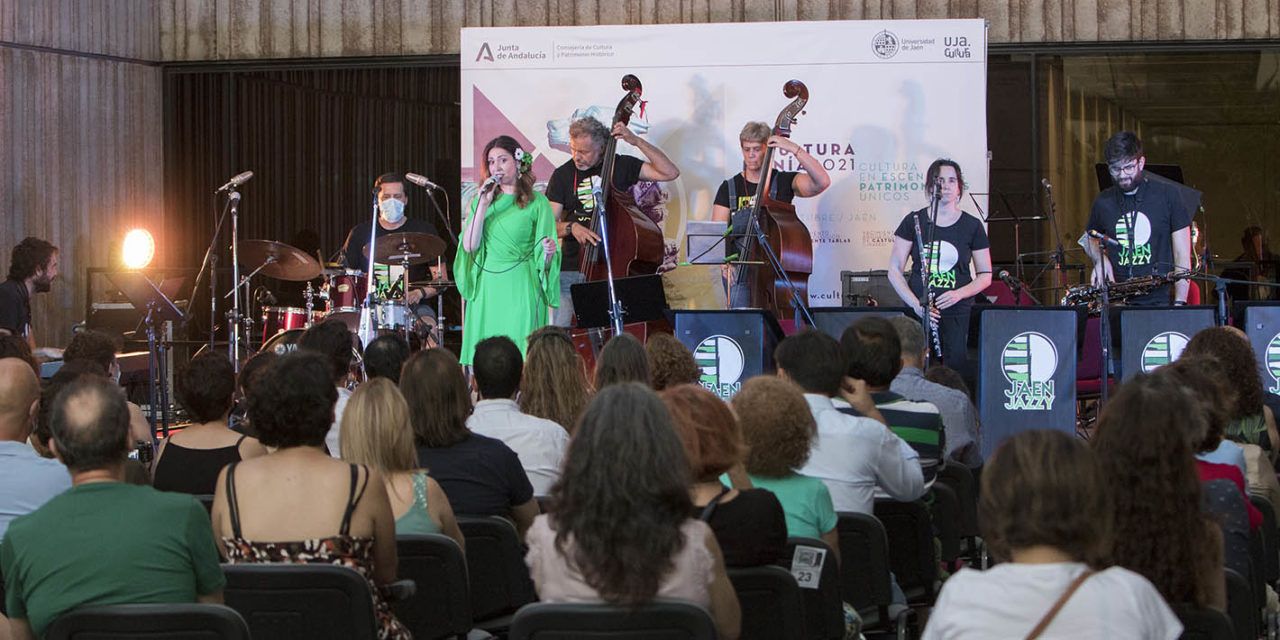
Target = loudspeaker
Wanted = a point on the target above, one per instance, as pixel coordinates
(867, 289)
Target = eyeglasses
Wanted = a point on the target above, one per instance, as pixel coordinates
(1128, 167)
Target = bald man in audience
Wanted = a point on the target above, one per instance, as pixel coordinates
(26, 480)
(103, 541)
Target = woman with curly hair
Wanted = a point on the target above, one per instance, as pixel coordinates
(670, 362)
(508, 263)
(1046, 514)
(618, 529)
(1148, 463)
(1229, 351)
(554, 383)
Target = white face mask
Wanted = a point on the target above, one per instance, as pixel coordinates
(392, 210)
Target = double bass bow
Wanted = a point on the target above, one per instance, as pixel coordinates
(785, 279)
(635, 241)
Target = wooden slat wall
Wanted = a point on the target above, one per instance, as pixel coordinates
(250, 29)
(81, 148)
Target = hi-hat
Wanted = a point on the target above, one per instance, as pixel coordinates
(406, 248)
(282, 261)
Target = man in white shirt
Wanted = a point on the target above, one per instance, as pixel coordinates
(852, 455)
(26, 480)
(541, 444)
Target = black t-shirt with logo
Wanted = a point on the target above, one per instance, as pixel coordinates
(385, 276)
(570, 188)
(953, 248)
(1143, 224)
(781, 188)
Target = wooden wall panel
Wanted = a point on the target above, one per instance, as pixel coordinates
(123, 28)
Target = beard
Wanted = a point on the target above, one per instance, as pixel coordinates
(1129, 184)
(43, 284)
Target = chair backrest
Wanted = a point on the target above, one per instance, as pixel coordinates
(1242, 607)
(441, 606)
(864, 561)
(824, 609)
(945, 509)
(1271, 550)
(659, 620)
(960, 479)
(301, 600)
(772, 608)
(909, 528)
(1199, 623)
(150, 621)
(499, 578)
(1257, 566)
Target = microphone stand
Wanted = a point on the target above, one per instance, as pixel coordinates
(444, 219)
(1104, 323)
(615, 307)
(366, 327)
(233, 315)
(210, 263)
(1059, 255)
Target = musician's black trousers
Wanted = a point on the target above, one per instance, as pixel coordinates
(953, 330)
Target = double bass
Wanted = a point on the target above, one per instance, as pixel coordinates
(636, 243)
(787, 236)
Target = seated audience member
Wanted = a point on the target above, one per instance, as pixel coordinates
(103, 541)
(749, 523)
(376, 433)
(101, 348)
(299, 505)
(670, 362)
(619, 530)
(947, 377)
(68, 373)
(1228, 352)
(1149, 467)
(480, 475)
(16, 347)
(959, 416)
(874, 355)
(26, 480)
(333, 340)
(385, 356)
(1046, 515)
(239, 414)
(190, 460)
(554, 384)
(622, 359)
(852, 455)
(540, 443)
(778, 431)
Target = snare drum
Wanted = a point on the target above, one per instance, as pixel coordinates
(394, 315)
(277, 319)
(345, 292)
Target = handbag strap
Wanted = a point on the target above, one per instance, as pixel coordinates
(1057, 606)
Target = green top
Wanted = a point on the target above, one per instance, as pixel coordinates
(417, 520)
(806, 503)
(108, 543)
(506, 282)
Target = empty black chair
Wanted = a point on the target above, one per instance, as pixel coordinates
(1271, 552)
(500, 581)
(1199, 623)
(660, 620)
(824, 609)
(911, 556)
(149, 621)
(864, 573)
(945, 510)
(1242, 607)
(769, 597)
(302, 601)
(441, 605)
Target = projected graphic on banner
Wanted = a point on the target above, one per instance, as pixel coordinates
(886, 99)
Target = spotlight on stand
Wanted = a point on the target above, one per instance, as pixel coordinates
(138, 249)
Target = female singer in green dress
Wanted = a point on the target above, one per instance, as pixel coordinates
(508, 265)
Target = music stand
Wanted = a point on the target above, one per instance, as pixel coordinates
(144, 294)
(703, 237)
(642, 299)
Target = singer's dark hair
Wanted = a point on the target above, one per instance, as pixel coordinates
(30, 256)
(385, 179)
(1124, 145)
(931, 177)
(524, 183)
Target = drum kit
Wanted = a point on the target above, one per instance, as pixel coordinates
(344, 294)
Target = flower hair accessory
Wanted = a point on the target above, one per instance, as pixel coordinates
(524, 159)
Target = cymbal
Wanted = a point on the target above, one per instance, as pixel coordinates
(406, 248)
(286, 262)
(435, 284)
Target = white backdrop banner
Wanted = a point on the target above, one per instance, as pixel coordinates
(886, 98)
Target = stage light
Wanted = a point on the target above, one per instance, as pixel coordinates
(138, 249)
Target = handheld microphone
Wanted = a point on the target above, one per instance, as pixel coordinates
(1104, 239)
(490, 183)
(1045, 183)
(421, 181)
(240, 179)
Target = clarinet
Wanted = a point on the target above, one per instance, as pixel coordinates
(930, 327)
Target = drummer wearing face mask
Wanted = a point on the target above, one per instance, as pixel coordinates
(392, 200)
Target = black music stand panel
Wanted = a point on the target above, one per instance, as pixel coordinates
(729, 346)
(1027, 370)
(642, 299)
(1261, 322)
(1154, 336)
(834, 320)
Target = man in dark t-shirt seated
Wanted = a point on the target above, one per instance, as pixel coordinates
(570, 191)
(738, 193)
(32, 269)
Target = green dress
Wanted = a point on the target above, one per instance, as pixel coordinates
(507, 283)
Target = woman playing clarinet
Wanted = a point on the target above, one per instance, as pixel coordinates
(508, 264)
(952, 242)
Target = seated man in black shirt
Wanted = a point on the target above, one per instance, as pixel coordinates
(32, 269)
(738, 193)
(570, 191)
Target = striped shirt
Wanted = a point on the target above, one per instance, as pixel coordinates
(919, 424)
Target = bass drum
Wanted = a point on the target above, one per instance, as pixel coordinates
(287, 342)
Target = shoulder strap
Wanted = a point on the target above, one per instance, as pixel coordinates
(710, 509)
(733, 193)
(1057, 606)
(241, 440)
(232, 505)
(353, 498)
